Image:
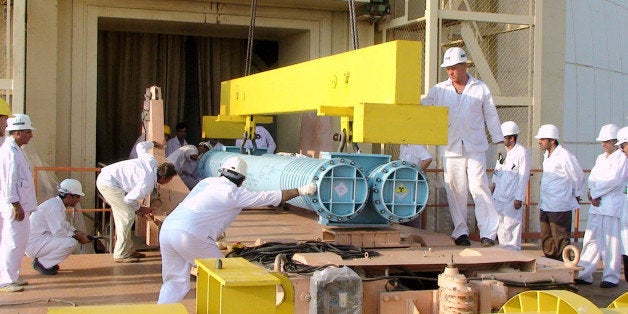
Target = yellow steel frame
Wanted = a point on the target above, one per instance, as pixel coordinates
(375, 90)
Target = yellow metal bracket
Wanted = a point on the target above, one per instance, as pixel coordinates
(375, 90)
(225, 126)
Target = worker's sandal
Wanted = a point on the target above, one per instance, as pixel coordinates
(126, 260)
(21, 282)
(11, 288)
(137, 254)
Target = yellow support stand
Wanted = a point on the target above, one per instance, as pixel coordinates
(176, 308)
(375, 90)
(234, 285)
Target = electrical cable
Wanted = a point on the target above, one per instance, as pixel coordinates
(39, 300)
(266, 253)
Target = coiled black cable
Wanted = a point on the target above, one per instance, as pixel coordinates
(265, 254)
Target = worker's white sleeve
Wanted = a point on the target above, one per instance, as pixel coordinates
(524, 176)
(10, 180)
(139, 192)
(143, 148)
(614, 179)
(490, 116)
(55, 218)
(430, 98)
(267, 139)
(576, 175)
(247, 198)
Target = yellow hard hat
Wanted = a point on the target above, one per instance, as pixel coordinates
(166, 129)
(4, 108)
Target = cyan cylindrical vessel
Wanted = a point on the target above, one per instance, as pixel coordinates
(342, 187)
(399, 191)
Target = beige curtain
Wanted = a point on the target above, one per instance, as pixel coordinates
(188, 70)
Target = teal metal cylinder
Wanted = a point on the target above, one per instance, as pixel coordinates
(399, 191)
(342, 188)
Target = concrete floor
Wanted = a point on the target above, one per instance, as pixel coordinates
(94, 279)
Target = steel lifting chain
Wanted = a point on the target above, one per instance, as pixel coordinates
(354, 25)
(249, 43)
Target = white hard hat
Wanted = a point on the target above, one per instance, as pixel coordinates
(547, 131)
(19, 122)
(607, 132)
(622, 136)
(510, 128)
(71, 186)
(453, 56)
(235, 164)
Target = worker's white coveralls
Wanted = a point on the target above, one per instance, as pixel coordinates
(133, 153)
(190, 231)
(263, 139)
(185, 166)
(511, 182)
(624, 222)
(464, 158)
(123, 185)
(16, 185)
(51, 240)
(414, 153)
(602, 236)
(561, 182)
(173, 144)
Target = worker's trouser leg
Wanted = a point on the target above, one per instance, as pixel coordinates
(123, 218)
(455, 173)
(178, 251)
(12, 245)
(555, 233)
(509, 230)
(601, 241)
(53, 250)
(466, 174)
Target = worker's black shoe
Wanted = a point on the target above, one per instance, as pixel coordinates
(43, 270)
(579, 281)
(607, 284)
(463, 240)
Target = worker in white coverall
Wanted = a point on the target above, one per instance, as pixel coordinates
(415, 154)
(52, 238)
(622, 142)
(471, 108)
(178, 140)
(124, 185)
(17, 201)
(602, 238)
(263, 139)
(562, 183)
(190, 231)
(5, 113)
(510, 179)
(185, 161)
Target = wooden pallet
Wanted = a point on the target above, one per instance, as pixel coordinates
(364, 237)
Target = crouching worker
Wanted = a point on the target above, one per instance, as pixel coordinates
(52, 238)
(190, 231)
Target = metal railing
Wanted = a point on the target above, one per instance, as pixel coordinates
(528, 206)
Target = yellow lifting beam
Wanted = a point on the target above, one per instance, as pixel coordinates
(375, 90)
